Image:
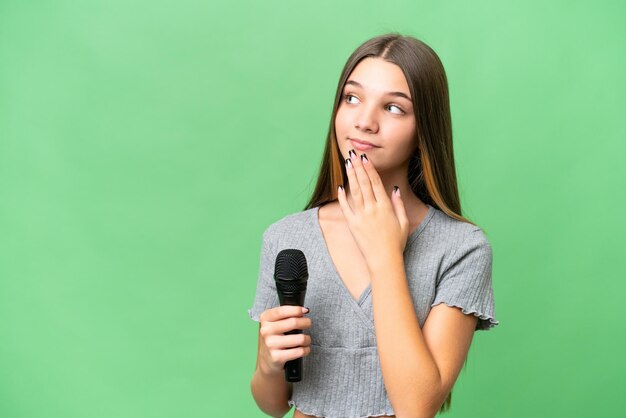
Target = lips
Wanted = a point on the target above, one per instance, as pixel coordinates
(360, 141)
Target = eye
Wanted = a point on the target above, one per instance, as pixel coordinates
(347, 96)
(401, 111)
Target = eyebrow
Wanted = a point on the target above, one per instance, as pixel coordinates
(390, 93)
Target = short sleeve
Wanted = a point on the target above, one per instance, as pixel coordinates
(266, 296)
(466, 281)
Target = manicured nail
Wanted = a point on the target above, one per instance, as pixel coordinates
(348, 163)
(306, 310)
(396, 190)
(340, 188)
(352, 153)
(364, 157)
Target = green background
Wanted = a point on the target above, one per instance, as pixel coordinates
(145, 146)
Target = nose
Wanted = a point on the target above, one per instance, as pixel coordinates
(366, 120)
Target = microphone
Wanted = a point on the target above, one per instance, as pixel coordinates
(291, 275)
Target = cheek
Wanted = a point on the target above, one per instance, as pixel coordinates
(340, 123)
(400, 130)
(340, 116)
(406, 130)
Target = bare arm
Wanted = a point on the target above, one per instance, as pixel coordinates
(269, 388)
(419, 366)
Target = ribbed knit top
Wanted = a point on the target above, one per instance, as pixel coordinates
(446, 261)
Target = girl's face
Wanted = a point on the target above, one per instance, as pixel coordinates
(376, 107)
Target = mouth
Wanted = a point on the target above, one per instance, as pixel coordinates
(362, 145)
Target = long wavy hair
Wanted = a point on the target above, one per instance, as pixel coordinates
(432, 175)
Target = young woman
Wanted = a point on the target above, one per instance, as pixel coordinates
(398, 279)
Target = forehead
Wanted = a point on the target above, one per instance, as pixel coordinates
(378, 75)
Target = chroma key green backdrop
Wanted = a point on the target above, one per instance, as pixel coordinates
(145, 146)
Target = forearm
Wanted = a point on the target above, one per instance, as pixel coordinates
(409, 370)
(271, 392)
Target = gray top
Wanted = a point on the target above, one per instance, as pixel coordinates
(446, 261)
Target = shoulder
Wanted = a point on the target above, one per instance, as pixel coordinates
(292, 224)
(459, 235)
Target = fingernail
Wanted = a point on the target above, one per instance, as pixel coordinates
(352, 153)
(348, 163)
(306, 310)
(364, 157)
(396, 190)
(340, 187)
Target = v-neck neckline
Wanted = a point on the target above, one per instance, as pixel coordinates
(330, 263)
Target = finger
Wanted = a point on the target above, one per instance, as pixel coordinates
(284, 356)
(399, 209)
(288, 324)
(281, 312)
(355, 190)
(378, 188)
(288, 341)
(343, 203)
(364, 182)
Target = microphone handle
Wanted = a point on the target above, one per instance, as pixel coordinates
(293, 368)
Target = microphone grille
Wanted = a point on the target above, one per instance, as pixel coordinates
(291, 265)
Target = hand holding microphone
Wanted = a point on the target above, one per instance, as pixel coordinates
(286, 350)
(278, 347)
